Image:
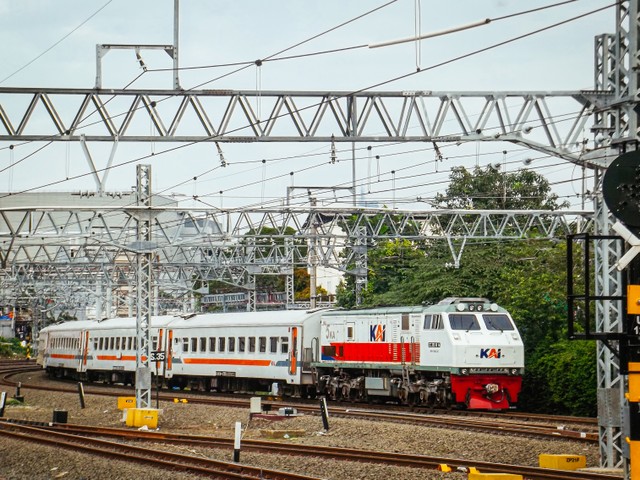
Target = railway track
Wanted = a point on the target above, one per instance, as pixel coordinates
(495, 424)
(204, 467)
(70, 436)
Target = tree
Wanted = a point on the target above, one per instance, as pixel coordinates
(491, 189)
(527, 277)
(386, 259)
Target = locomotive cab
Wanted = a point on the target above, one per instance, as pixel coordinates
(480, 345)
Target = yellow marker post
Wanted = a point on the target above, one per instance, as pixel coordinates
(562, 462)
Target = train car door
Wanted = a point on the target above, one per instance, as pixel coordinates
(168, 349)
(293, 352)
(84, 350)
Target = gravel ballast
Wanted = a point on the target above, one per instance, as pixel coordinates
(26, 460)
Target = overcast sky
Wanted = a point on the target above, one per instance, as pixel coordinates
(53, 44)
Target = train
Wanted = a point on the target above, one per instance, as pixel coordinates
(460, 352)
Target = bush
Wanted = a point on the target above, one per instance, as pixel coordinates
(562, 380)
(11, 347)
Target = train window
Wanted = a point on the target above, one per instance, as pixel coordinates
(232, 344)
(194, 344)
(463, 321)
(203, 344)
(405, 321)
(329, 350)
(351, 328)
(427, 322)
(273, 344)
(221, 344)
(263, 344)
(212, 344)
(95, 343)
(101, 343)
(185, 344)
(252, 344)
(284, 345)
(129, 342)
(117, 343)
(241, 344)
(497, 322)
(436, 322)
(111, 343)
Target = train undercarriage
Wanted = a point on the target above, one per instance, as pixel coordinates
(416, 388)
(406, 387)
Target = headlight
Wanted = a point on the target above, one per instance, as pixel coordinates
(464, 371)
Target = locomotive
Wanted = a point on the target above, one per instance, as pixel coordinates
(464, 352)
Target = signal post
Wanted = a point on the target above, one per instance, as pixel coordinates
(633, 392)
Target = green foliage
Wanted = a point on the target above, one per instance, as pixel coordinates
(11, 348)
(562, 379)
(491, 189)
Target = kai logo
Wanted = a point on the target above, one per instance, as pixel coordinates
(490, 353)
(376, 333)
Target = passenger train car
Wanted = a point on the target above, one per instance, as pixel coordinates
(460, 352)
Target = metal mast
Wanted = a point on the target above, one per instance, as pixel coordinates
(144, 259)
(616, 130)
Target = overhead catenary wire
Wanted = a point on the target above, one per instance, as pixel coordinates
(378, 84)
(56, 43)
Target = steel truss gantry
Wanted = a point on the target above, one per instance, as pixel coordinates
(49, 244)
(104, 115)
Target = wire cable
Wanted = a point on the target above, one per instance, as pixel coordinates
(381, 83)
(56, 43)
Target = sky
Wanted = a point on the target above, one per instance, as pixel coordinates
(53, 44)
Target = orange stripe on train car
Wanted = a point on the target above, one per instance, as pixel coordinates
(66, 356)
(226, 361)
(115, 358)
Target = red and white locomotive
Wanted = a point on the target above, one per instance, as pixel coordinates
(462, 351)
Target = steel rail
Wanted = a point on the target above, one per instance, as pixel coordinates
(201, 466)
(335, 453)
(484, 426)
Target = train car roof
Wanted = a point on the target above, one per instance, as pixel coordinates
(70, 325)
(376, 311)
(261, 318)
(107, 324)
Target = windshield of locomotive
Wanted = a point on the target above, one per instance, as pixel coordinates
(463, 321)
(497, 321)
